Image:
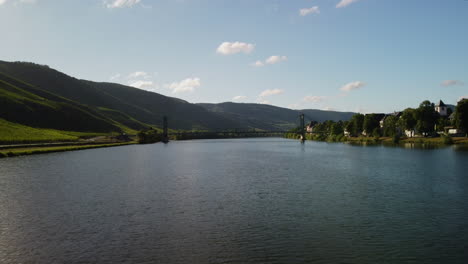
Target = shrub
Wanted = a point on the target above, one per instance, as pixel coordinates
(447, 139)
(396, 139)
(376, 132)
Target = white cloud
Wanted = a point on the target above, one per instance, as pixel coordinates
(270, 60)
(352, 86)
(452, 83)
(187, 85)
(145, 85)
(308, 11)
(121, 3)
(228, 48)
(276, 59)
(344, 3)
(239, 98)
(271, 92)
(2, 2)
(138, 74)
(313, 99)
(258, 64)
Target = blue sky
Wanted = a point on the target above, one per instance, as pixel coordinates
(345, 55)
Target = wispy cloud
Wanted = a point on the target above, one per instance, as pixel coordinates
(352, 86)
(114, 77)
(344, 3)
(314, 99)
(138, 74)
(229, 48)
(308, 11)
(121, 3)
(239, 98)
(187, 85)
(262, 101)
(276, 59)
(271, 92)
(258, 64)
(447, 83)
(270, 60)
(144, 85)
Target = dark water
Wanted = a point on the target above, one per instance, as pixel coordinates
(236, 201)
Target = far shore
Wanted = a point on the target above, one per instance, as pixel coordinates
(389, 140)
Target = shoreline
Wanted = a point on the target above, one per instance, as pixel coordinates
(42, 148)
(438, 141)
(16, 152)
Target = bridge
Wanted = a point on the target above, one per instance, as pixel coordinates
(228, 133)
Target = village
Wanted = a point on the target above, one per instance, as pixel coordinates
(429, 120)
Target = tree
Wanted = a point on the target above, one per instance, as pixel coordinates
(426, 117)
(408, 120)
(371, 122)
(390, 126)
(442, 122)
(337, 128)
(461, 115)
(355, 124)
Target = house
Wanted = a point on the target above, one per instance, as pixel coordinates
(310, 127)
(347, 133)
(395, 114)
(375, 120)
(452, 117)
(454, 132)
(410, 133)
(441, 108)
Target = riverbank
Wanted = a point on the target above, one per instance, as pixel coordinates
(21, 151)
(385, 140)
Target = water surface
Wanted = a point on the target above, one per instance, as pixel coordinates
(236, 201)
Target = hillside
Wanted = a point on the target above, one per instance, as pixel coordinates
(38, 96)
(25, 104)
(142, 106)
(270, 117)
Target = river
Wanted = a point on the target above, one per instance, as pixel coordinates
(262, 200)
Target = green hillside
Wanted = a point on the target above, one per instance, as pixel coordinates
(15, 133)
(270, 117)
(38, 96)
(144, 106)
(23, 103)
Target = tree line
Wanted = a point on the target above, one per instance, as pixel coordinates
(424, 119)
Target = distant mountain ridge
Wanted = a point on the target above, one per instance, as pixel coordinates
(38, 96)
(270, 117)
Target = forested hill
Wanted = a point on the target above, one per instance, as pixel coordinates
(268, 116)
(38, 96)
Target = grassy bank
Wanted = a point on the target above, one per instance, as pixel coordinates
(13, 133)
(39, 150)
(384, 140)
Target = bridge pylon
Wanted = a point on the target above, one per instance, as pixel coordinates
(302, 131)
(165, 138)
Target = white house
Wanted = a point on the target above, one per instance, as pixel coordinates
(310, 127)
(441, 108)
(410, 133)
